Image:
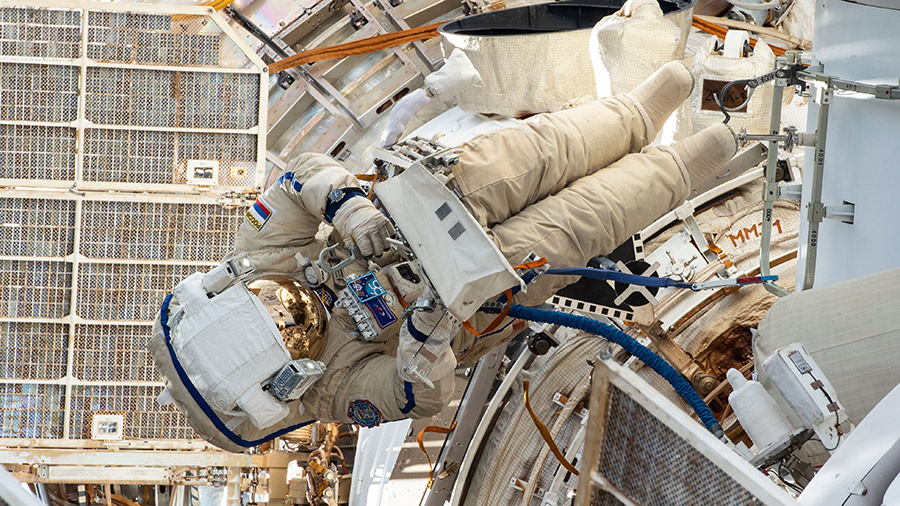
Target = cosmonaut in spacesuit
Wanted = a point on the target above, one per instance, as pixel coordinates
(566, 186)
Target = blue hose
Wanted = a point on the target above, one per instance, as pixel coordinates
(640, 351)
(623, 277)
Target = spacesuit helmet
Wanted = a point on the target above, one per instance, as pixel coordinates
(297, 311)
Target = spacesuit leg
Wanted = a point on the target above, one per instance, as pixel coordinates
(598, 212)
(502, 172)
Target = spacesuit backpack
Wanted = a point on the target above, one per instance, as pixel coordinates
(224, 359)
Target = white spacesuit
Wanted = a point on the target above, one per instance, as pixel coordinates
(566, 186)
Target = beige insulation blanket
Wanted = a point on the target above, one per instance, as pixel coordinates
(544, 72)
(633, 43)
(720, 337)
(851, 329)
(513, 439)
(525, 74)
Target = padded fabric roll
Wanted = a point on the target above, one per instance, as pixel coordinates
(532, 59)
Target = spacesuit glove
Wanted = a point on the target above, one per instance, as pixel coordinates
(424, 354)
(457, 76)
(359, 221)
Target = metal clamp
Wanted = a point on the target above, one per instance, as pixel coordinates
(791, 191)
(355, 255)
(426, 304)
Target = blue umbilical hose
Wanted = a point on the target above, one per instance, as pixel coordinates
(624, 277)
(630, 345)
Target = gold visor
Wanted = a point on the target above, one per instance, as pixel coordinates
(298, 312)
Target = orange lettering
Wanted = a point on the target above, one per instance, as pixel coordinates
(740, 235)
(751, 229)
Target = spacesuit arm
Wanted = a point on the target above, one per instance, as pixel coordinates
(274, 229)
(284, 220)
(374, 386)
(311, 177)
(322, 187)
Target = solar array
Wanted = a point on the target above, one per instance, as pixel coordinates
(104, 114)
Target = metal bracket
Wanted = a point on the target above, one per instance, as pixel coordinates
(392, 158)
(856, 488)
(358, 20)
(791, 191)
(521, 486)
(425, 304)
(842, 213)
(815, 212)
(823, 94)
(685, 214)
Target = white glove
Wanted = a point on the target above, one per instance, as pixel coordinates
(457, 76)
(401, 113)
(358, 221)
(433, 360)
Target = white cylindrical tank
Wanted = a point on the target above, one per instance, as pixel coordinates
(757, 411)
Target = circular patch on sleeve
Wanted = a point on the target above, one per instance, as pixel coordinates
(363, 412)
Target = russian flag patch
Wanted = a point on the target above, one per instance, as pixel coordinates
(258, 214)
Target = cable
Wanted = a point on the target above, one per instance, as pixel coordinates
(256, 31)
(419, 438)
(546, 434)
(781, 477)
(654, 361)
(837, 418)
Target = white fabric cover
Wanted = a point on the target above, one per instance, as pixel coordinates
(525, 74)
(465, 270)
(456, 76)
(261, 407)
(628, 46)
(708, 65)
(401, 113)
(228, 345)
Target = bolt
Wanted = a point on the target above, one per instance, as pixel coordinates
(705, 383)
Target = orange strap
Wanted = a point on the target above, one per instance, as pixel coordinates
(532, 264)
(546, 435)
(497, 321)
(366, 177)
(400, 298)
(437, 430)
(718, 251)
(363, 46)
